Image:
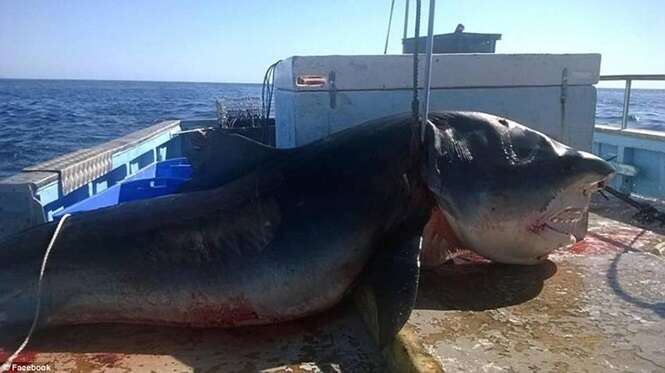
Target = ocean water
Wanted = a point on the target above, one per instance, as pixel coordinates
(41, 119)
(647, 108)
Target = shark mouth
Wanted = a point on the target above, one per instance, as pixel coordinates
(562, 221)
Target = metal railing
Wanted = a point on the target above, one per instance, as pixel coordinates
(626, 93)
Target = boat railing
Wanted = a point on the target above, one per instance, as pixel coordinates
(637, 154)
(628, 86)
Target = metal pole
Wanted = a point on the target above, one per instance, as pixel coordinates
(406, 20)
(415, 104)
(626, 104)
(390, 22)
(428, 64)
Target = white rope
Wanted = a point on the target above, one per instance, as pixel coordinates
(8, 364)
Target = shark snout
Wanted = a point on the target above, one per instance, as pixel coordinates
(590, 167)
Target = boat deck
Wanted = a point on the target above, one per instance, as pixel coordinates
(334, 341)
(599, 306)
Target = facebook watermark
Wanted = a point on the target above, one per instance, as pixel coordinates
(24, 367)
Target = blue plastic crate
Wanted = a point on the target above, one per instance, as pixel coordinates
(155, 180)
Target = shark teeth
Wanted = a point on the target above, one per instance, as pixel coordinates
(565, 220)
(558, 220)
(568, 215)
(562, 221)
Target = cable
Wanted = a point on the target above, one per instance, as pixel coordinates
(8, 364)
(646, 213)
(429, 45)
(267, 90)
(390, 22)
(406, 21)
(271, 90)
(415, 105)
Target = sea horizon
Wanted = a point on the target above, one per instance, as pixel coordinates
(130, 81)
(229, 83)
(41, 118)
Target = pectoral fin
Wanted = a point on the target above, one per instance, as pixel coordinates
(387, 291)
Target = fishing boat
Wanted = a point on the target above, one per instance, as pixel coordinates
(596, 306)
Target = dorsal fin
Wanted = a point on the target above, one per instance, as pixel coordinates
(218, 157)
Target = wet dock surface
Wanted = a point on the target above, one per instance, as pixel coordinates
(596, 307)
(335, 341)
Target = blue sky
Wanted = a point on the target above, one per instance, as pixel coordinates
(234, 41)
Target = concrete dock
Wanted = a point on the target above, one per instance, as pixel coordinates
(598, 306)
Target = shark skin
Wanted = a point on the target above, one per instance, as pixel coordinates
(292, 232)
(504, 191)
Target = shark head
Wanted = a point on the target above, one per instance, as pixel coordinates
(509, 193)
